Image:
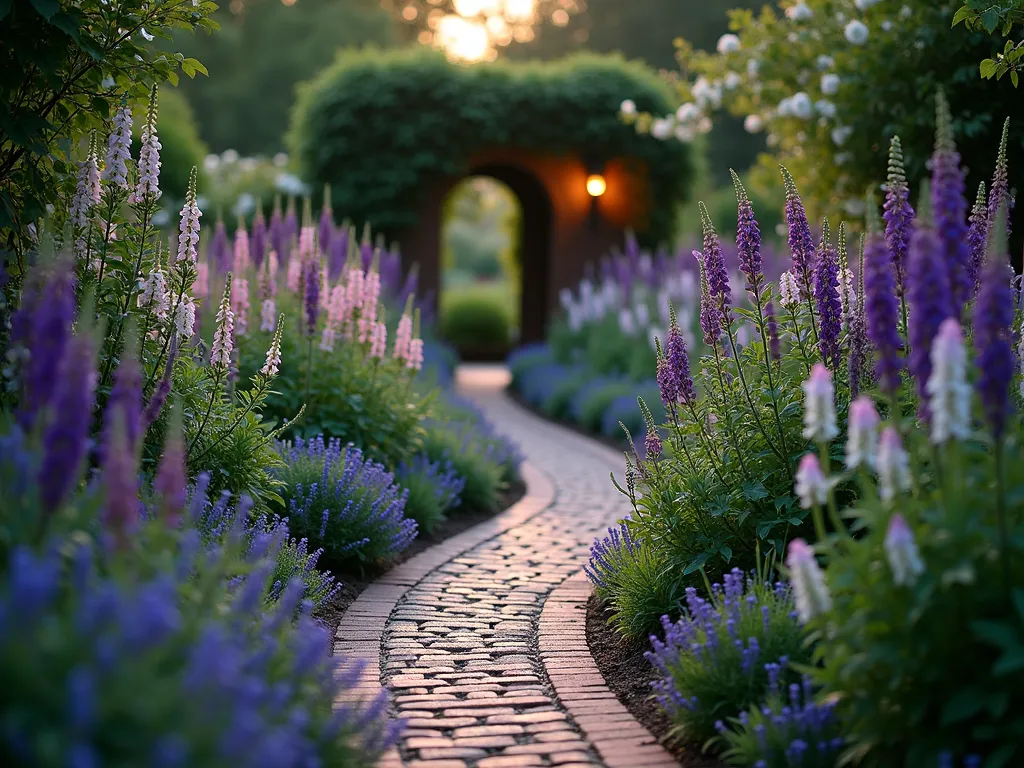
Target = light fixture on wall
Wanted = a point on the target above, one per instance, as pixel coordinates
(596, 187)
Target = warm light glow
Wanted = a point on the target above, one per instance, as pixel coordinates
(596, 185)
(462, 39)
(559, 18)
(409, 13)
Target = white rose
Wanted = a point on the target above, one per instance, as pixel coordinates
(887, 25)
(661, 128)
(863, 5)
(830, 84)
(627, 107)
(856, 32)
(728, 44)
(684, 133)
(753, 124)
(753, 67)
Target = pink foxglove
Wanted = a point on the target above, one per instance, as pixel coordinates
(811, 484)
(273, 363)
(808, 580)
(223, 336)
(862, 435)
(819, 406)
(901, 552)
(115, 170)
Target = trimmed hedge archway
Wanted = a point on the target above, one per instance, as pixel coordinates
(392, 131)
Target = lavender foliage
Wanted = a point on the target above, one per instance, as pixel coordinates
(342, 502)
(712, 662)
(434, 488)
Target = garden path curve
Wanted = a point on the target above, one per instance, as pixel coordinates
(481, 639)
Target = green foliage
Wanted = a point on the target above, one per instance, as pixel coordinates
(422, 503)
(378, 126)
(474, 318)
(181, 148)
(66, 68)
(258, 57)
(593, 406)
(371, 406)
(468, 454)
(980, 14)
(885, 86)
(908, 687)
(481, 230)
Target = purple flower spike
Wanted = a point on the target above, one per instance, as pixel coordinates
(258, 240)
(290, 228)
(714, 266)
(674, 376)
(170, 484)
(993, 331)
(43, 327)
(710, 313)
(366, 249)
(220, 249)
(898, 214)
(748, 236)
(312, 294)
(950, 209)
(278, 240)
(1000, 191)
(882, 312)
(338, 253)
(126, 398)
(826, 294)
(977, 235)
(929, 297)
(801, 244)
(66, 441)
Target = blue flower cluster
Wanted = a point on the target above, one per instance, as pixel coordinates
(445, 483)
(609, 555)
(343, 502)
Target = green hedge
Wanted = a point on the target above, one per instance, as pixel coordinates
(378, 126)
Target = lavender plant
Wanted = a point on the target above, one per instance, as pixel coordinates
(790, 728)
(339, 500)
(724, 654)
(434, 488)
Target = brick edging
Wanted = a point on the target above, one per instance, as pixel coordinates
(362, 627)
(620, 740)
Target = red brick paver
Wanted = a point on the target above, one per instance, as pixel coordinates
(484, 647)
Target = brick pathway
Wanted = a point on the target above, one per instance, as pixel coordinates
(482, 678)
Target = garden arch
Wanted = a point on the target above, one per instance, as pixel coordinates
(394, 132)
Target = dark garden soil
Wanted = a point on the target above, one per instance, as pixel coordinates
(523, 403)
(629, 675)
(353, 583)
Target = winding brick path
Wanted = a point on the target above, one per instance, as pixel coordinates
(482, 677)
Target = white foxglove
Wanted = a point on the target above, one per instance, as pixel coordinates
(811, 484)
(808, 580)
(819, 406)
(862, 433)
(893, 466)
(901, 552)
(949, 395)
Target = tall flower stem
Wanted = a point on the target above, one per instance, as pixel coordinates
(728, 423)
(309, 368)
(209, 410)
(1004, 530)
(833, 510)
(750, 400)
(261, 391)
(107, 223)
(682, 442)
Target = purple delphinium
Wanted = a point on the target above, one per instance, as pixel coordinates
(290, 228)
(163, 387)
(772, 326)
(977, 234)
(410, 285)
(126, 398)
(748, 236)
(652, 444)
(1000, 191)
(366, 249)
(993, 331)
(66, 440)
(170, 483)
(801, 244)
(42, 327)
(929, 297)
(338, 253)
(119, 477)
(220, 255)
(278, 239)
(343, 502)
(881, 312)
(826, 295)
(311, 294)
(714, 266)
(326, 228)
(677, 358)
(710, 309)
(949, 207)
(898, 214)
(258, 240)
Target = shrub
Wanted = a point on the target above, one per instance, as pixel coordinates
(475, 320)
(434, 488)
(344, 502)
(552, 107)
(491, 443)
(714, 663)
(812, 74)
(559, 403)
(525, 357)
(473, 458)
(592, 400)
(788, 729)
(539, 382)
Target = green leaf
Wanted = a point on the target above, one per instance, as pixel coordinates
(5, 8)
(990, 20)
(196, 65)
(988, 68)
(1014, 78)
(1010, 662)
(964, 704)
(46, 8)
(960, 15)
(996, 633)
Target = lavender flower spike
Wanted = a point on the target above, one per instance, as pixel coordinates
(678, 360)
(898, 214)
(748, 236)
(826, 294)
(950, 208)
(928, 293)
(710, 313)
(171, 479)
(858, 332)
(801, 244)
(714, 266)
(120, 481)
(66, 441)
(882, 312)
(977, 235)
(1000, 192)
(993, 330)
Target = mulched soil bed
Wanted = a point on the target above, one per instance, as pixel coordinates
(629, 675)
(460, 520)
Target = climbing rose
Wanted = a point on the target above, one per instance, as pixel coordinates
(809, 589)
(901, 552)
